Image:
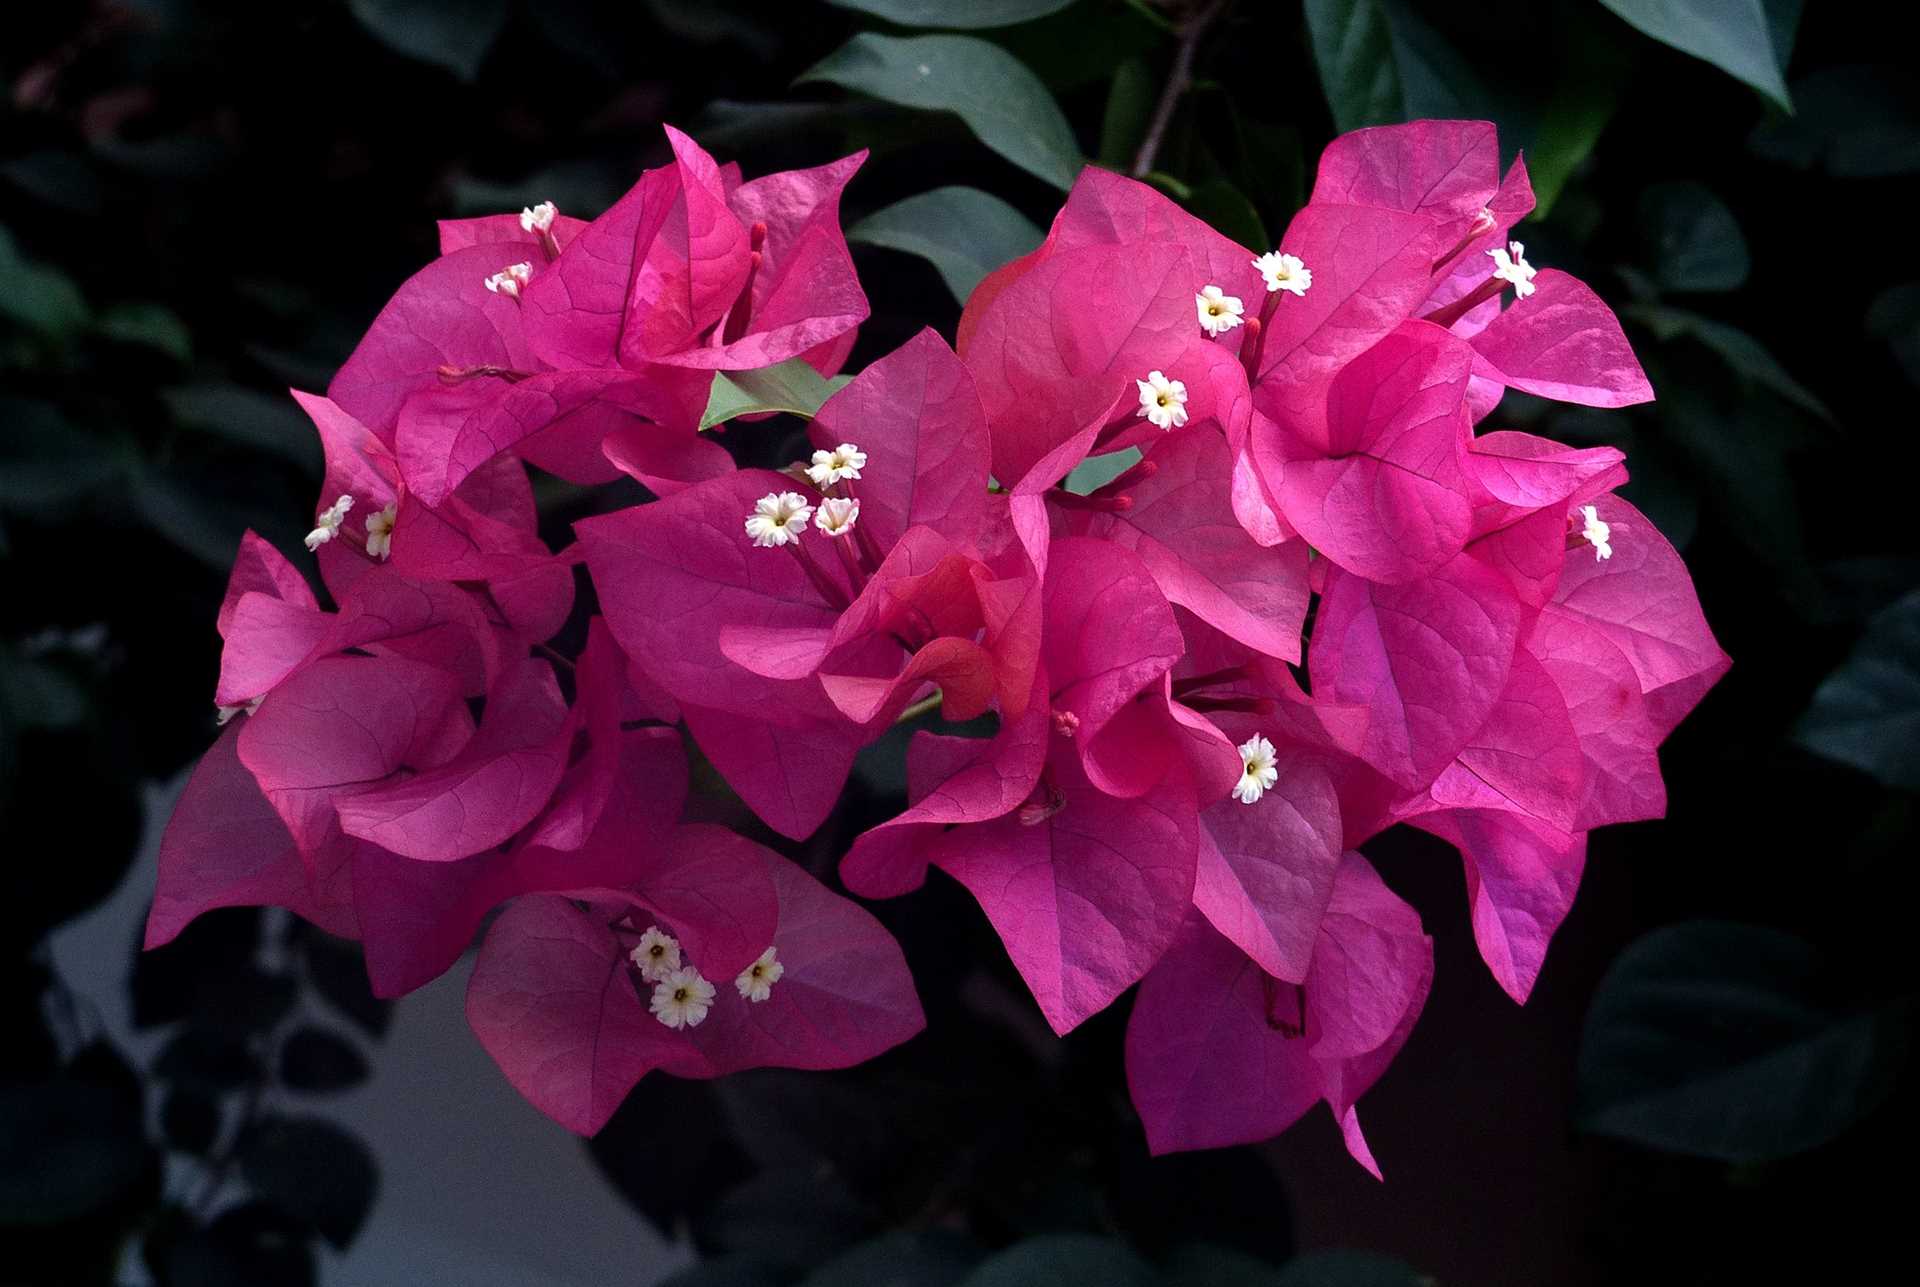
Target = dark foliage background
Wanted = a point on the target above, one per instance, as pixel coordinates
(203, 201)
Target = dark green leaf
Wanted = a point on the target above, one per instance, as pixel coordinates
(1733, 35)
(935, 1258)
(246, 416)
(1095, 472)
(958, 14)
(793, 1219)
(1697, 244)
(1745, 356)
(1064, 1258)
(1206, 1265)
(1227, 209)
(964, 232)
(148, 325)
(313, 1059)
(1380, 63)
(791, 386)
(1348, 1269)
(455, 34)
(244, 1247)
(338, 972)
(38, 297)
(1130, 100)
(1720, 1040)
(1894, 316)
(1867, 712)
(47, 463)
(1860, 122)
(313, 1171)
(1003, 103)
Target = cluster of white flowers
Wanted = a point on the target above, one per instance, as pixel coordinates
(779, 518)
(681, 997)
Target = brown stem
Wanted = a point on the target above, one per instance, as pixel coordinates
(1179, 80)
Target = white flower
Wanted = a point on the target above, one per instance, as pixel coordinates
(328, 522)
(538, 218)
(1219, 312)
(757, 980)
(1163, 401)
(657, 955)
(1514, 268)
(829, 467)
(1257, 771)
(682, 999)
(380, 531)
(1597, 533)
(778, 518)
(224, 713)
(509, 280)
(1284, 272)
(836, 517)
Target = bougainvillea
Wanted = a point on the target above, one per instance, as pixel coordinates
(1322, 603)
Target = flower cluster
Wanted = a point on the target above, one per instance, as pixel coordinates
(1183, 771)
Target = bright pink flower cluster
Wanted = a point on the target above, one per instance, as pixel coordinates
(1177, 788)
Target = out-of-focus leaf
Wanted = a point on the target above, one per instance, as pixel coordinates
(1720, 1040)
(1348, 1269)
(242, 415)
(1206, 1265)
(1867, 712)
(1130, 100)
(966, 15)
(790, 1219)
(1697, 243)
(72, 1148)
(709, 22)
(1859, 122)
(455, 34)
(1064, 1258)
(37, 693)
(1095, 472)
(934, 1258)
(1733, 35)
(583, 188)
(964, 232)
(338, 973)
(61, 179)
(1743, 354)
(1079, 46)
(728, 1271)
(313, 1059)
(190, 1119)
(46, 463)
(727, 124)
(206, 1060)
(1225, 207)
(38, 297)
(149, 325)
(791, 386)
(1003, 103)
(250, 1244)
(1590, 71)
(1380, 63)
(1783, 25)
(313, 1171)
(1894, 316)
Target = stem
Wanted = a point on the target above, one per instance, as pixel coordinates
(1179, 80)
(921, 707)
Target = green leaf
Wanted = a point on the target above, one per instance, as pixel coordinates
(1733, 35)
(1859, 122)
(967, 14)
(1894, 316)
(1228, 210)
(933, 1258)
(1095, 472)
(1130, 100)
(791, 386)
(1064, 1258)
(45, 462)
(248, 417)
(1003, 103)
(1380, 64)
(1347, 1269)
(964, 232)
(1718, 1040)
(455, 34)
(1867, 712)
(1697, 243)
(1745, 356)
(38, 297)
(148, 325)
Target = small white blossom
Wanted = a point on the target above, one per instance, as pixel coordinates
(1597, 532)
(656, 955)
(1513, 268)
(1163, 401)
(1284, 272)
(682, 999)
(327, 525)
(222, 714)
(1219, 311)
(1257, 771)
(509, 280)
(757, 980)
(380, 531)
(778, 518)
(829, 467)
(836, 517)
(538, 218)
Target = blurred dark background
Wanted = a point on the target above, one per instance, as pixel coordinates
(203, 202)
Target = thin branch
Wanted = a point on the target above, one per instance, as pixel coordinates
(1179, 80)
